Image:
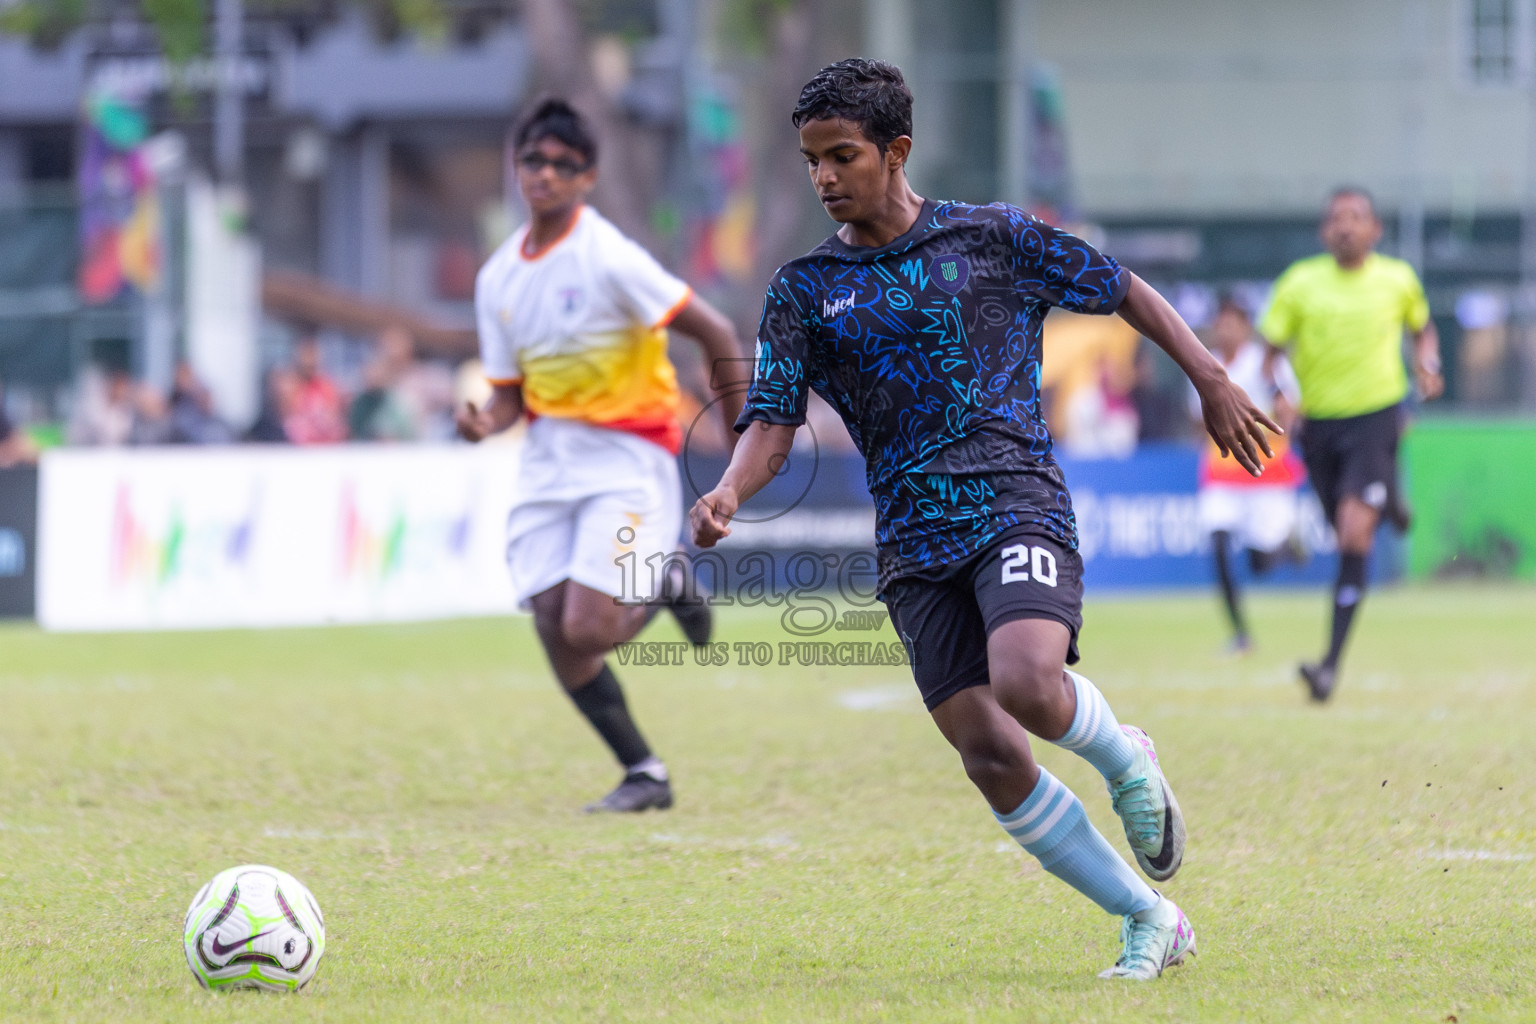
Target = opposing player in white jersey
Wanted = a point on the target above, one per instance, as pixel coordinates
(1258, 513)
(573, 320)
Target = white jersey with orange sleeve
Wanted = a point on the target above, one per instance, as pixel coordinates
(581, 325)
(1246, 370)
(1260, 512)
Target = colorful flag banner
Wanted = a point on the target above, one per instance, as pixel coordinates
(119, 207)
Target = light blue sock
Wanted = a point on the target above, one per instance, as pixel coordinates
(1052, 825)
(1094, 733)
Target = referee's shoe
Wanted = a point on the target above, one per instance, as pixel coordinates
(1320, 679)
(640, 791)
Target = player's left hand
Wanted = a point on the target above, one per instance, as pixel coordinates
(1236, 424)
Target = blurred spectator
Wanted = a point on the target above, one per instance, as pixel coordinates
(1159, 413)
(403, 398)
(15, 446)
(1101, 418)
(112, 409)
(313, 409)
(192, 419)
(151, 416)
(1483, 369)
(1087, 374)
(378, 412)
(103, 409)
(424, 388)
(276, 397)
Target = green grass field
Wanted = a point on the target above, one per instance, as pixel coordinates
(828, 860)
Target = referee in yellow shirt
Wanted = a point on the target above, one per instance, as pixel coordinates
(1341, 316)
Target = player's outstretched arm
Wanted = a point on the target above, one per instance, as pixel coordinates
(758, 458)
(1233, 421)
(722, 353)
(503, 410)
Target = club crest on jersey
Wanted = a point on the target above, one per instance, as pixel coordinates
(950, 272)
(570, 300)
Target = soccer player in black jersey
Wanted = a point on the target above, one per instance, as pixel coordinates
(919, 322)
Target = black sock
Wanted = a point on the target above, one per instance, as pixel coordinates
(672, 594)
(1347, 594)
(602, 701)
(1260, 562)
(1228, 584)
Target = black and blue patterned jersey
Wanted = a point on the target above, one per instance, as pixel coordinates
(929, 350)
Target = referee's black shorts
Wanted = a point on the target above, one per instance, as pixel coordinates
(1353, 457)
(945, 614)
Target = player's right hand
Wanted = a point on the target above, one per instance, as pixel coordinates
(1237, 425)
(1428, 377)
(710, 517)
(474, 423)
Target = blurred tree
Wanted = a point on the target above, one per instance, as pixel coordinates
(633, 160)
(45, 22)
(768, 47)
(182, 25)
(750, 24)
(785, 39)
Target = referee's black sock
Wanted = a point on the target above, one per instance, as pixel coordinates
(1347, 593)
(1219, 543)
(602, 702)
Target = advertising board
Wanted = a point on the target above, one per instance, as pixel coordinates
(253, 537)
(1136, 517)
(18, 541)
(189, 538)
(1473, 485)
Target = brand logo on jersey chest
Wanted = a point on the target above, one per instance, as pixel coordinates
(837, 302)
(570, 299)
(950, 272)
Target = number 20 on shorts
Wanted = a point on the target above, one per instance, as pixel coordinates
(1021, 563)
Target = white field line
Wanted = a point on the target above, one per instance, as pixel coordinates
(771, 841)
(1493, 855)
(300, 833)
(895, 697)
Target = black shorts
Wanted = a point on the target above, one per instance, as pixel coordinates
(944, 615)
(1354, 457)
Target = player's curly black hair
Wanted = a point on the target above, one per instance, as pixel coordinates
(557, 119)
(869, 93)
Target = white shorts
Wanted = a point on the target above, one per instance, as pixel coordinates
(593, 505)
(1256, 517)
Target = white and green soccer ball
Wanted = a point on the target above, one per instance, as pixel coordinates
(254, 927)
